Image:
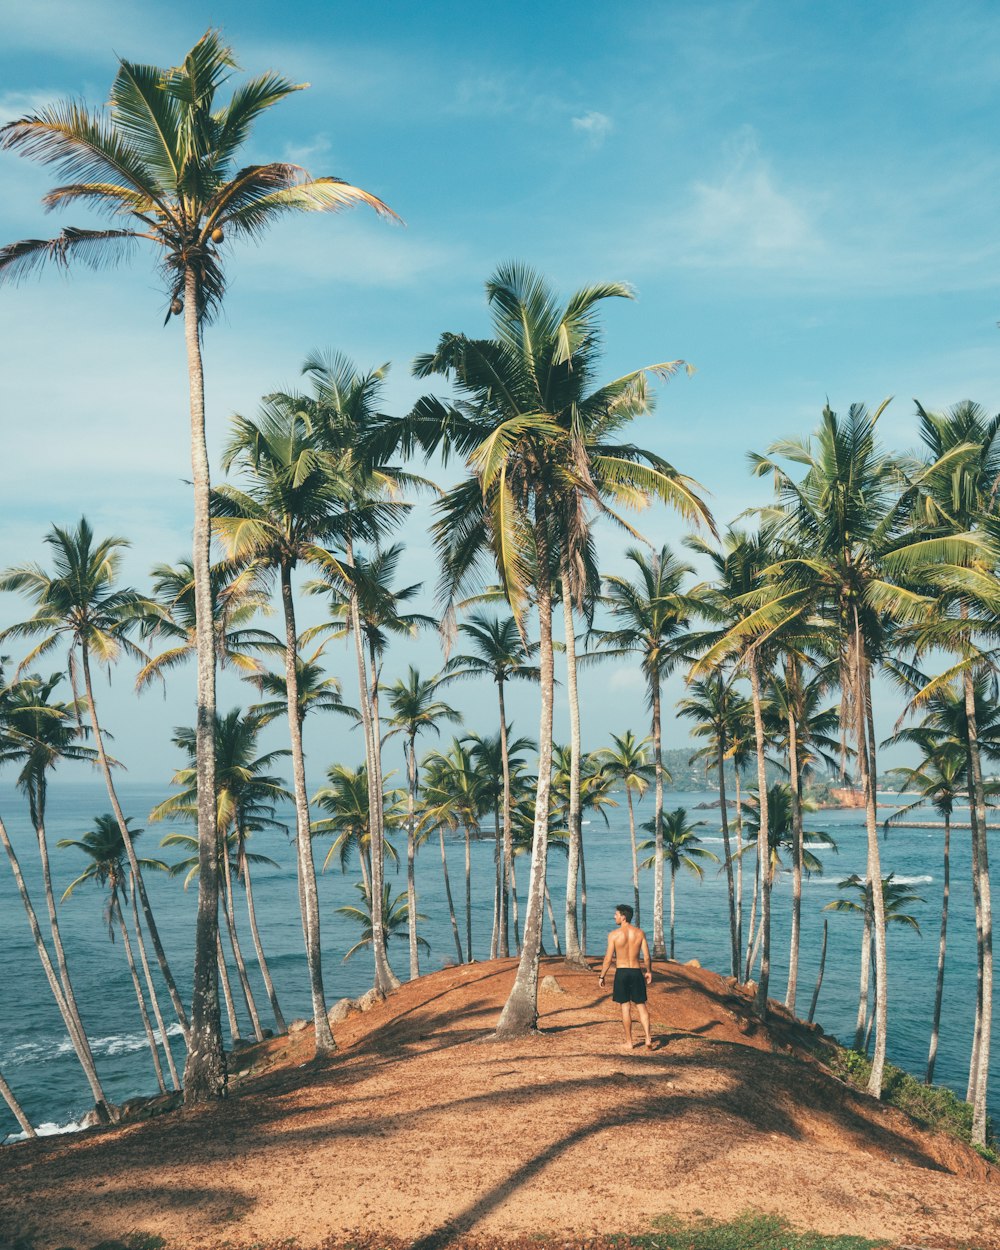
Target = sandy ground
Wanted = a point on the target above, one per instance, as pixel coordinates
(423, 1128)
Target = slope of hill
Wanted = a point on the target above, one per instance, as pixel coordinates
(423, 1129)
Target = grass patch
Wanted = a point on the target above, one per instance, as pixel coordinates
(934, 1106)
(749, 1231)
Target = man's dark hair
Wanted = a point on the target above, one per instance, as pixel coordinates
(626, 911)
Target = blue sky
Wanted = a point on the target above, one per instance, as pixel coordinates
(802, 196)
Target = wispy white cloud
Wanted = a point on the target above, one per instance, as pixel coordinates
(14, 104)
(594, 126)
(316, 148)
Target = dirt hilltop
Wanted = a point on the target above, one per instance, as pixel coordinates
(424, 1130)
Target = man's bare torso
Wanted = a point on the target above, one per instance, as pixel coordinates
(627, 942)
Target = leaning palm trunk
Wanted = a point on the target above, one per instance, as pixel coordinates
(144, 1014)
(15, 1107)
(763, 845)
(635, 853)
(515, 918)
(265, 972)
(411, 847)
(794, 787)
(447, 890)
(724, 818)
(673, 897)
(739, 865)
(507, 871)
(939, 987)
(82, 1051)
(986, 912)
(977, 1022)
(38, 804)
(752, 927)
(234, 943)
(583, 903)
(151, 988)
(227, 989)
(819, 974)
(867, 760)
(573, 952)
(147, 911)
(205, 1069)
(866, 972)
(659, 946)
(520, 1012)
(552, 921)
(497, 885)
(325, 1044)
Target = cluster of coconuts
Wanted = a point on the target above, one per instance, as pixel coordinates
(177, 304)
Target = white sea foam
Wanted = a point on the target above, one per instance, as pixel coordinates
(115, 1044)
(48, 1129)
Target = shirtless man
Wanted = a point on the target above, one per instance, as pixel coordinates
(626, 946)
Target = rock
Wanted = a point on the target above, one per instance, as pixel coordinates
(243, 1043)
(551, 986)
(136, 1109)
(341, 1010)
(692, 963)
(371, 999)
(298, 1025)
(267, 1033)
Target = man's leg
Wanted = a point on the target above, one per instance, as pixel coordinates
(643, 1011)
(627, 1024)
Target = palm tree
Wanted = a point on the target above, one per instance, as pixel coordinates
(579, 786)
(363, 602)
(42, 733)
(278, 522)
(16, 1109)
(247, 794)
(414, 708)
(237, 597)
(162, 162)
(941, 779)
(498, 652)
(678, 845)
(856, 552)
(716, 708)
(395, 917)
(105, 848)
(652, 617)
(895, 897)
(628, 763)
(80, 602)
(9, 739)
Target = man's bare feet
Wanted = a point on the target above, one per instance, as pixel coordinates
(628, 1047)
(651, 1045)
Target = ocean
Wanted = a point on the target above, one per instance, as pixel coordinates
(38, 1061)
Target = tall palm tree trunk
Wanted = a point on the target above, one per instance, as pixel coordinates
(797, 840)
(939, 987)
(497, 884)
(265, 971)
(514, 917)
(392, 981)
(205, 1068)
(866, 972)
(724, 818)
(325, 1044)
(207, 1071)
(227, 989)
(157, 1014)
(573, 953)
(583, 904)
(763, 844)
(739, 864)
(139, 998)
(978, 911)
(659, 946)
(468, 894)
(520, 1012)
(82, 1051)
(819, 974)
(673, 895)
(986, 911)
(447, 890)
(234, 943)
(15, 1107)
(635, 852)
(867, 759)
(552, 921)
(38, 809)
(507, 874)
(411, 850)
(752, 927)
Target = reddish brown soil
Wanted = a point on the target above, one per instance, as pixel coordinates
(423, 1129)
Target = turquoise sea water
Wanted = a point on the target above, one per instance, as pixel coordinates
(38, 1061)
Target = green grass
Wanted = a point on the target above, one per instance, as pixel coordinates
(750, 1231)
(934, 1106)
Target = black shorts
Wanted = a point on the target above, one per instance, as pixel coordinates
(630, 986)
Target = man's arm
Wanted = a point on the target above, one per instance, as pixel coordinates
(608, 956)
(644, 956)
